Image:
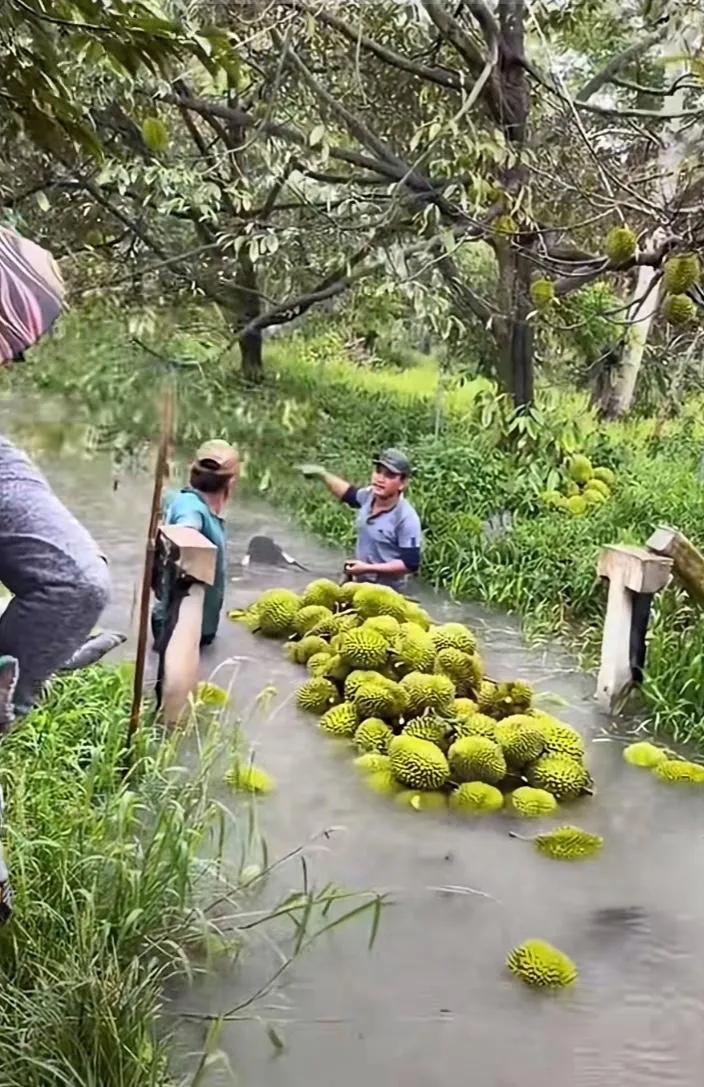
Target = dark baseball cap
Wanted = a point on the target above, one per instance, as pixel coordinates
(394, 461)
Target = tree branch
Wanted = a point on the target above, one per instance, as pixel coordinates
(618, 63)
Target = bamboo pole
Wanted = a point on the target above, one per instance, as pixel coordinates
(150, 551)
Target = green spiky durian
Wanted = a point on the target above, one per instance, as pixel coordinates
(520, 739)
(552, 499)
(362, 648)
(428, 694)
(681, 273)
(377, 699)
(593, 497)
(417, 615)
(477, 758)
(323, 592)
(340, 720)
(334, 668)
(386, 625)
(347, 621)
(326, 628)
(373, 735)
(345, 593)
(355, 680)
(318, 664)
(541, 965)
(679, 772)
(437, 730)
(560, 739)
(370, 600)
(580, 469)
(568, 844)
(605, 475)
(477, 724)
(421, 801)
(309, 617)
(464, 669)
(301, 652)
(246, 778)
(418, 764)
(679, 309)
(372, 761)
(464, 707)
(413, 650)
(501, 700)
(542, 293)
(620, 245)
(532, 803)
(209, 694)
(644, 754)
(505, 224)
(598, 485)
(276, 612)
(317, 695)
(383, 782)
(560, 775)
(454, 636)
(572, 488)
(476, 798)
(576, 505)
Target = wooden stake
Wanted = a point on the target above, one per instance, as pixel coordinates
(159, 474)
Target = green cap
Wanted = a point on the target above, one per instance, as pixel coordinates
(394, 461)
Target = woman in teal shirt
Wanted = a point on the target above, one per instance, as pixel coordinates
(213, 476)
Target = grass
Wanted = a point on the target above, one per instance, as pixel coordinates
(473, 460)
(114, 896)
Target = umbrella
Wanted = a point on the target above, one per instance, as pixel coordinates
(31, 294)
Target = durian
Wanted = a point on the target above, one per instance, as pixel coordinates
(476, 798)
(377, 699)
(552, 499)
(679, 309)
(418, 764)
(577, 505)
(347, 621)
(323, 592)
(679, 772)
(592, 496)
(370, 600)
(428, 693)
(209, 694)
(520, 739)
(560, 775)
(421, 801)
(605, 475)
(501, 700)
(435, 729)
(335, 669)
(464, 707)
(598, 485)
(644, 754)
(372, 761)
(560, 739)
(345, 593)
(541, 965)
(454, 636)
(373, 735)
(414, 650)
(318, 664)
(309, 617)
(386, 625)
(317, 695)
(355, 680)
(569, 844)
(327, 627)
(477, 758)
(681, 273)
(620, 245)
(364, 649)
(340, 720)
(245, 778)
(580, 469)
(542, 293)
(417, 615)
(532, 803)
(276, 612)
(477, 724)
(463, 669)
(301, 652)
(383, 782)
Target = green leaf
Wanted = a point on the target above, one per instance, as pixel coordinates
(316, 135)
(43, 201)
(156, 134)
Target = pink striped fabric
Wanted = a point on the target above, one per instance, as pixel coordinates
(31, 294)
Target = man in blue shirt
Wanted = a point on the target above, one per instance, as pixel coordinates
(389, 535)
(213, 477)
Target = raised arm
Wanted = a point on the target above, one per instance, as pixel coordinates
(337, 486)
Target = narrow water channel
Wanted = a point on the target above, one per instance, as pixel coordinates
(432, 1003)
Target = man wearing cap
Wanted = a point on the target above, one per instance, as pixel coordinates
(213, 476)
(389, 536)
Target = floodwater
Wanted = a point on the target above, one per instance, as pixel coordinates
(432, 1002)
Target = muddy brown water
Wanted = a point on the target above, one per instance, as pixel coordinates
(432, 1002)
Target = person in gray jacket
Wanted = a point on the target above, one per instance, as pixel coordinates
(389, 534)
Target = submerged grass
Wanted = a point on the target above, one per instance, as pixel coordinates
(472, 461)
(115, 897)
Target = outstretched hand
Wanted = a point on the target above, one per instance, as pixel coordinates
(311, 471)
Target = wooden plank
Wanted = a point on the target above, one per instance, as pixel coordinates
(182, 656)
(190, 552)
(638, 569)
(687, 560)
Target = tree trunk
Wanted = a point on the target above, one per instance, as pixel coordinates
(251, 356)
(248, 306)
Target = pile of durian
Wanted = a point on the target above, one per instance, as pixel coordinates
(410, 696)
(664, 764)
(586, 488)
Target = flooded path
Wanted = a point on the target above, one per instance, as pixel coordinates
(432, 1003)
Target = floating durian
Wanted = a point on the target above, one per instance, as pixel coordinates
(364, 649)
(418, 764)
(276, 611)
(370, 600)
(568, 844)
(373, 735)
(476, 798)
(679, 772)
(560, 775)
(520, 738)
(309, 617)
(421, 801)
(309, 646)
(437, 730)
(644, 754)
(464, 669)
(477, 724)
(560, 739)
(477, 758)
(317, 695)
(372, 761)
(413, 650)
(323, 592)
(245, 778)
(340, 720)
(539, 964)
(386, 625)
(532, 803)
(428, 693)
(454, 636)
